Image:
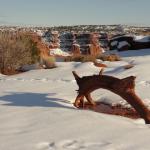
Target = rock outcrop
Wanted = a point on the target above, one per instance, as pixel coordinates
(76, 43)
(125, 42)
(89, 43)
(75, 49)
(54, 40)
(95, 48)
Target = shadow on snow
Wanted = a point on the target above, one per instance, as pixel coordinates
(34, 100)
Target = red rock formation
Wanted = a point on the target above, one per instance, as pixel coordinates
(75, 49)
(89, 43)
(84, 43)
(94, 46)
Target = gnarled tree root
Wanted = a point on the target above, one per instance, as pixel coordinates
(125, 88)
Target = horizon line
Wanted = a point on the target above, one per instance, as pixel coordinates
(46, 26)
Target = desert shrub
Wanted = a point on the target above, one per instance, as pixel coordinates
(17, 49)
(49, 62)
(89, 58)
(109, 57)
(80, 58)
(73, 58)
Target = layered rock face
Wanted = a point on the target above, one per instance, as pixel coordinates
(76, 43)
(54, 40)
(51, 38)
(67, 39)
(89, 43)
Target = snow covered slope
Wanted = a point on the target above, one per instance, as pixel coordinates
(36, 111)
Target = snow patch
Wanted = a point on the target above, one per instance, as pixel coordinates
(142, 38)
(58, 52)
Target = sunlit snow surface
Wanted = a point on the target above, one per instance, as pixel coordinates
(36, 111)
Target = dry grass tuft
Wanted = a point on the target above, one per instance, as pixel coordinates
(109, 57)
(80, 58)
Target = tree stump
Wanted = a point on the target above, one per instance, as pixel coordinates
(125, 88)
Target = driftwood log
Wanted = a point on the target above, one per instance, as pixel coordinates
(123, 87)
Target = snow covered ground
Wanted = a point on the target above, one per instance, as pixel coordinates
(36, 111)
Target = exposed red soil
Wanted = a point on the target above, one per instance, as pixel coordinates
(100, 64)
(112, 110)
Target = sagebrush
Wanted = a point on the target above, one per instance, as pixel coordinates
(17, 49)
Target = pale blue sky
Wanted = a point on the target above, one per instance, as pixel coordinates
(74, 12)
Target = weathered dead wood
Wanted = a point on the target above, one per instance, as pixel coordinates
(123, 87)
